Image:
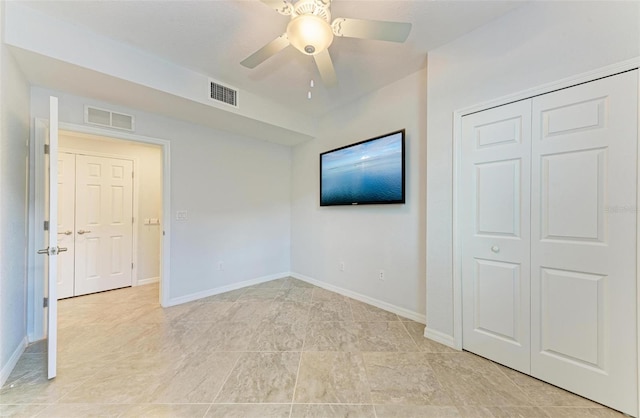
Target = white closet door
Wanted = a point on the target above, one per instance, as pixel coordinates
(66, 222)
(494, 213)
(584, 154)
(104, 218)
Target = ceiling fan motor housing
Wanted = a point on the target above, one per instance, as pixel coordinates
(312, 7)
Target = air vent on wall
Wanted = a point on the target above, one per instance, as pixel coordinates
(103, 117)
(222, 93)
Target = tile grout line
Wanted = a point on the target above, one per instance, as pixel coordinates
(495, 365)
(411, 337)
(364, 363)
(209, 408)
(231, 369)
(304, 341)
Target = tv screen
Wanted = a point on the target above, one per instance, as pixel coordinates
(368, 172)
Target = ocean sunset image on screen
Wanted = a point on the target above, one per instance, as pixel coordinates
(369, 172)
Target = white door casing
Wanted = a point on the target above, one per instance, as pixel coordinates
(583, 253)
(66, 222)
(104, 216)
(583, 239)
(495, 233)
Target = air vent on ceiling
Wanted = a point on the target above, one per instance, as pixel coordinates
(222, 93)
(107, 118)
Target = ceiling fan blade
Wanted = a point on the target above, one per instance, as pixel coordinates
(325, 67)
(281, 6)
(266, 52)
(371, 29)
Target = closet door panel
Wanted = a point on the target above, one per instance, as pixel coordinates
(104, 224)
(583, 249)
(494, 213)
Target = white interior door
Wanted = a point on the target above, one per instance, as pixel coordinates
(583, 253)
(104, 224)
(495, 167)
(51, 238)
(66, 222)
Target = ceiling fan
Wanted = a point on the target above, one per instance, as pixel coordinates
(311, 31)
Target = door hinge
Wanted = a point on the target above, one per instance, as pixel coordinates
(133, 219)
(131, 266)
(45, 302)
(46, 148)
(132, 174)
(46, 225)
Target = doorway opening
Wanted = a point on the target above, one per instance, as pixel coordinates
(151, 263)
(109, 211)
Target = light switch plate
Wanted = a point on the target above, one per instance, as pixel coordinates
(181, 215)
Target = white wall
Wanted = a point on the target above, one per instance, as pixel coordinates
(366, 238)
(14, 138)
(236, 191)
(536, 44)
(148, 172)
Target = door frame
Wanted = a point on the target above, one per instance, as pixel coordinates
(35, 284)
(456, 339)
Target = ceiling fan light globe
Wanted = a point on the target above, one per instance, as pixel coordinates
(309, 34)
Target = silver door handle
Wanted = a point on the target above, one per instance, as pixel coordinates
(495, 249)
(82, 231)
(52, 250)
(65, 233)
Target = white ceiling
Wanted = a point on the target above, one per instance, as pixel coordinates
(213, 36)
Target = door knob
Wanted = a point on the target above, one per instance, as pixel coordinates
(65, 233)
(495, 249)
(44, 251)
(82, 231)
(62, 249)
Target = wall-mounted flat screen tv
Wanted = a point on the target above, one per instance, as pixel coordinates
(364, 173)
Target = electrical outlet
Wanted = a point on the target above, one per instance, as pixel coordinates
(342, 266)
(381, 275)
(220, 265)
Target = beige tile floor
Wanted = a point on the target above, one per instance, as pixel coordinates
(279, 349)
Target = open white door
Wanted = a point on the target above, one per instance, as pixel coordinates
(51, 236)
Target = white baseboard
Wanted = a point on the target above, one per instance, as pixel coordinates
(405, 313)
(440, 337)
(210, 292)
(149, 280)
(13, 360)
